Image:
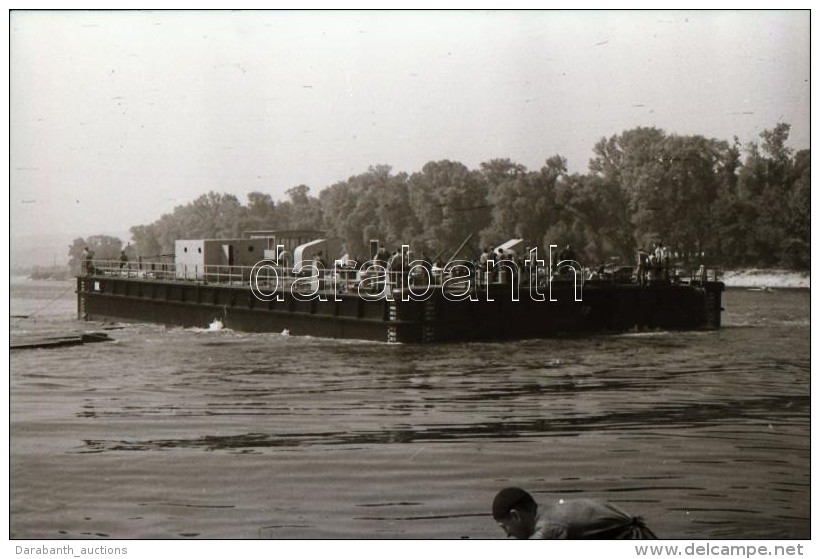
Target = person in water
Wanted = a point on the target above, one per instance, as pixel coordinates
(517, 513)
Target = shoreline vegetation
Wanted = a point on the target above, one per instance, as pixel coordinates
(708, 201)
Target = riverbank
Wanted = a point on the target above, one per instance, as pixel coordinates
(771, 278)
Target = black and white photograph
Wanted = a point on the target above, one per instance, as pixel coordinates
(456, 274)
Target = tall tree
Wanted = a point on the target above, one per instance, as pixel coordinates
(260, 212)
(372, 205)
(450, 204)
(671, 184)
(774, 193)
(512, 194)
(145, 239)
(796, 248)
(105, 247)
(300, 210)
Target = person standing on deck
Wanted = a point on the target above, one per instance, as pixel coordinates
(87, 261)
(643, 262)
(662, 261)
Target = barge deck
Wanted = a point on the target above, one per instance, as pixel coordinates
(487, 312)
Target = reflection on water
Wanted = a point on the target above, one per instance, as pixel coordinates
(219, 434)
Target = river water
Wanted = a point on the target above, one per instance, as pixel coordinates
(193, 433)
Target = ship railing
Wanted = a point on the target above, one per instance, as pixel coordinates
(168, 271)
(348, 279)
(701, 275)
(224, 274)
(221, 274)
(686, 275)
(461, 279)
(341, 278)
(674, 273)
(130, 269)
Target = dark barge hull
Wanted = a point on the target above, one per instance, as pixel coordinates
(606, 307)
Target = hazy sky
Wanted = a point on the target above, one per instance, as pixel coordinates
(118, 117)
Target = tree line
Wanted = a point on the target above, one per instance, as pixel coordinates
(709, 201)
